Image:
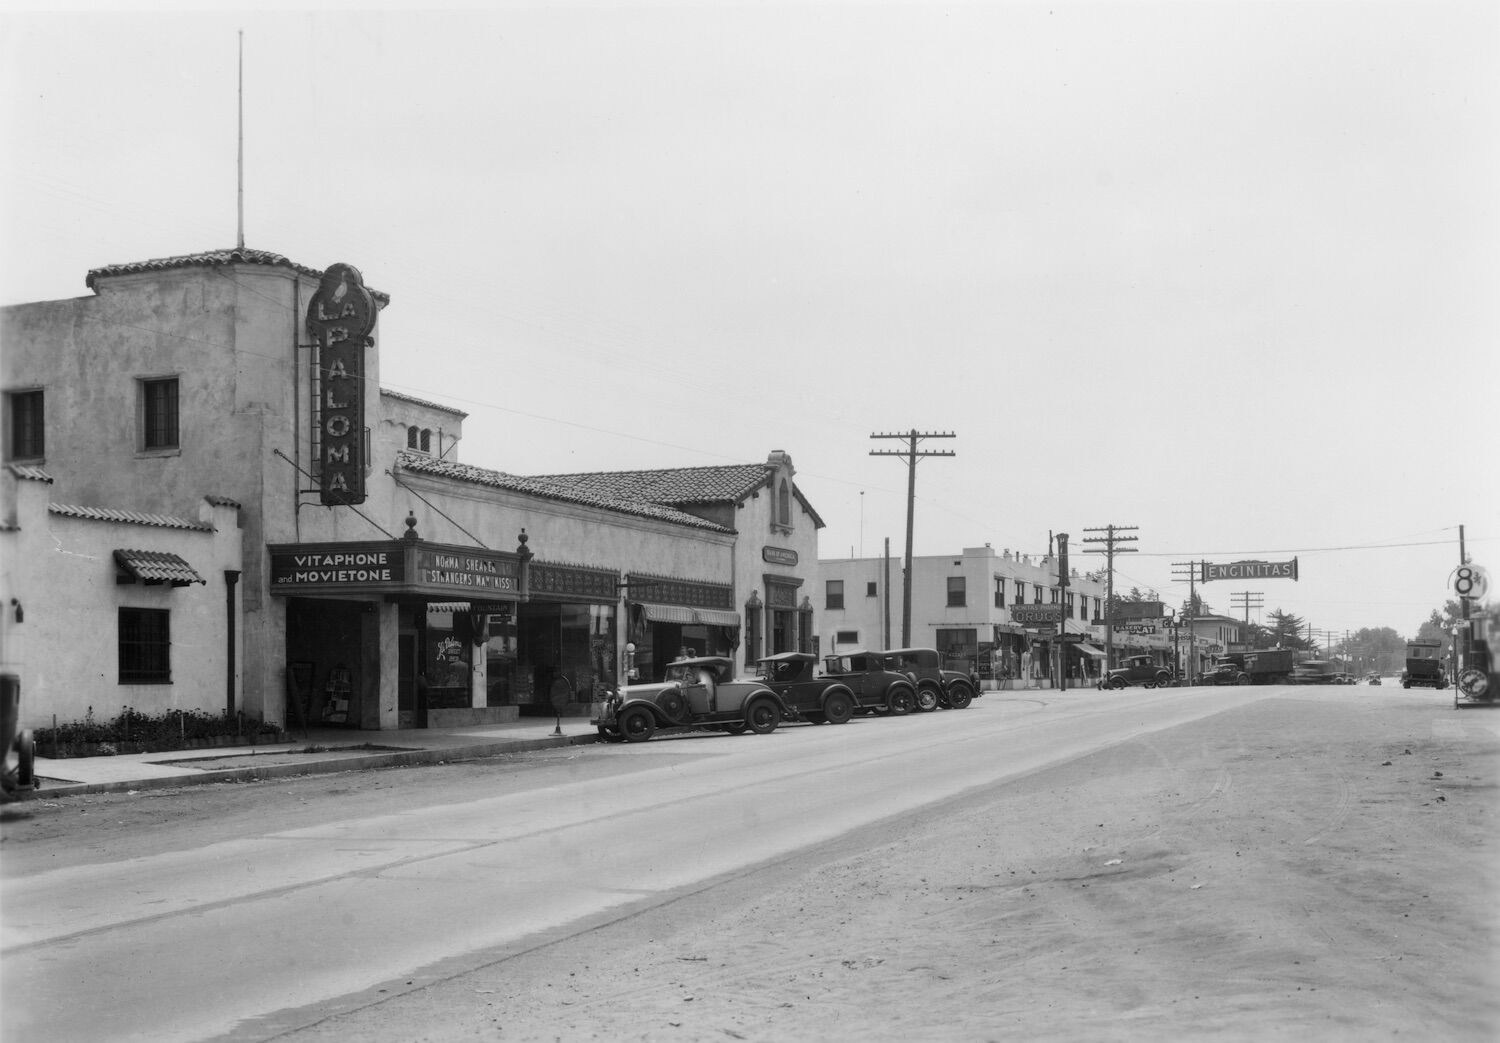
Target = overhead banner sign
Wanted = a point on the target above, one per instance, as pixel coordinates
(1249, 570)
(340, 318)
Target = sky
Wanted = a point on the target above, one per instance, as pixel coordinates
(1222, 273)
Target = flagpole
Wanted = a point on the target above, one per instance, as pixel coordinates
(240, 164)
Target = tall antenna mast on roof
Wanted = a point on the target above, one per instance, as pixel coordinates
(240, 240)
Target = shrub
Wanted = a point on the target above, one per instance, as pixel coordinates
(172, 730)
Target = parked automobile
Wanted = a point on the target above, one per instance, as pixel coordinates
(696, 693)
(935, 686)
(1372, 678)
(806, 694)
(876, 688)
(18, 775)
(1138, 669)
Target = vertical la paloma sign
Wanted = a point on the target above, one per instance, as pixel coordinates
(340, 318)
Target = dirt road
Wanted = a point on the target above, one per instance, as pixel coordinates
(1317, 866)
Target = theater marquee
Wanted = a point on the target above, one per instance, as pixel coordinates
(398, 569)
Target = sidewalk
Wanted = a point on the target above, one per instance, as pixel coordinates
(319, 751)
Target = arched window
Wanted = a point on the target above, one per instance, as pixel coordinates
(784, 504)
(426, 440)
(411, 437)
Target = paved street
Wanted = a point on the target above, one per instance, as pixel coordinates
(287, 923)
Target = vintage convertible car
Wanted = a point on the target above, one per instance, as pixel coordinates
(696, 693)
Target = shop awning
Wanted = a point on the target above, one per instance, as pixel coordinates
(715, 618)
(1088, 649)
(669, 613)
(156, 566)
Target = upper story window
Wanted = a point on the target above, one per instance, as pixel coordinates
(27, 425)
(871, 589)
(834, 596)
(159, 414)
(957, 592)
(1055, 592)
(419, 438)
(1020, 593)
(1036, 593)
(999, 592)
(781, 506)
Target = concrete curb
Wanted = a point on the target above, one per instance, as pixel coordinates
(314, 766)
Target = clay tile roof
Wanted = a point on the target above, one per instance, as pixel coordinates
(421, 402)
(30, 473)
(683, 485)
(157, 566)
(552, 490)
(223, 501)
(109, 514)
(210, 259)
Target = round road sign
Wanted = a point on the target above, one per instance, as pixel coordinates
(1470, 581)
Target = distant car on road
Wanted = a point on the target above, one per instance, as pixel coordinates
(1224, 673)
(1138, 669)
(1424, 668)
(696, 693)
(1315, 671)
(819, 699)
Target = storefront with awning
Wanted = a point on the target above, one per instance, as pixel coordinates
(670, 618)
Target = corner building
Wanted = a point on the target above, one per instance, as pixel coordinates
(317, 552)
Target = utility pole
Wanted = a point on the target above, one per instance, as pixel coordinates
(911, 454)
(1243, 600)
(1192, 604)
(1062, 624)
(1111, 547)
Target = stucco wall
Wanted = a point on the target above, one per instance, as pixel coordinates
(62, 572)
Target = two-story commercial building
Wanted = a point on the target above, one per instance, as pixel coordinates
(1003, 614)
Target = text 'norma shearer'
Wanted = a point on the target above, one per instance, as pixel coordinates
(454, 570)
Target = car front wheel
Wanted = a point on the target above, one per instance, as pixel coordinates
(901, 702)
(637, 725)
(927, 700)
(1117, 682)
(763, 717)
(837, 708)
(960, 696)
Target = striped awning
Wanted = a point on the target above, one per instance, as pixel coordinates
(669, 613)
(689, 616)
(156, 566)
